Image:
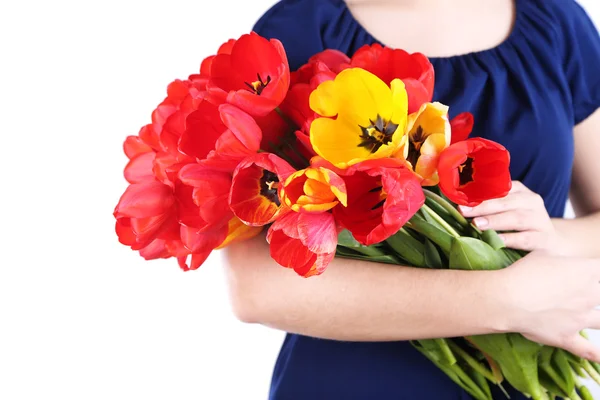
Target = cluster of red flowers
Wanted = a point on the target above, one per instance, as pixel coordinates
(229, 152)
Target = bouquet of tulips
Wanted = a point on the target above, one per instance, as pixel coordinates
(344, 157)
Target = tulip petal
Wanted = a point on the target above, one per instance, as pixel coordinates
(134, 145)
(254, 196)
(203, 129)
(461, 126)
(139, 168)
(147, 199)
(303, 242)
(238, 232)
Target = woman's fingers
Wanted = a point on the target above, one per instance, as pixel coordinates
(581, 347)
(525, 200)
(514, 220)
(527, 240)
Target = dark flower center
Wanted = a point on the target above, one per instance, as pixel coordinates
(377, 134)
(465, 172)
(258, 86)
(414, 147)
(268, 186)
(381, 195)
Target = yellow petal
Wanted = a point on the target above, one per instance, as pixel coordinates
(432, 118)
(323, 100)
(337, 142)
(400, 104)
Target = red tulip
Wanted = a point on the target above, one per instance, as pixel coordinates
(473, 171)
(320, 67)
(225, 129)
(254, 196)
(145, 212)
(382, 196)
(461, 127)
(206, 64)
(210, 193)
(305, 242)
(141, 160)
(415, 70)
(255, 76)
(163, 134)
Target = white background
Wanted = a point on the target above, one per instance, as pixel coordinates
(81, 316)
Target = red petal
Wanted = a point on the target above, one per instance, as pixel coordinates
(134, 145)
(203, 129)
(245, 198)
(139, 168)
(142, 200)
(124, 232)
(244, 135)
(334, 59)
(156, 249)
(370, 220)
(417, 94)
(461, 126)
(304, 242)
(200, 245)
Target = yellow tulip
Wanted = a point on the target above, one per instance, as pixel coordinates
(362, 118)
(428, 135)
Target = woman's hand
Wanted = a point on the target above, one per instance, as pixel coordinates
(553, 299)
(521, 211)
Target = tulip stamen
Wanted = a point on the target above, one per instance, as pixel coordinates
(414, 146)
(465, 172)
(376, 206)
(377, 134)
(258, 86)
(269, 183)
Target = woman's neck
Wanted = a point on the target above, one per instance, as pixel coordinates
(437, 28)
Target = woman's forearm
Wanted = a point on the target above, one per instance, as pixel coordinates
(579, 236)
(361, 301)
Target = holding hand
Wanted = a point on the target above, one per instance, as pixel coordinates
(521, 211)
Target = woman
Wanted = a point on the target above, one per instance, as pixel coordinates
(528, 71)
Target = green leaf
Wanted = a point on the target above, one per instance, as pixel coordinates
(407, 247)
(432, 256)
(517, 358)
(432, 232)
(344, 252)
(346, 239)
(564, 369)
(491, 237)
(472, 254)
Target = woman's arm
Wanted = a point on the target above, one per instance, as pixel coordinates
(546, 297)
(363, 301)
(581, 234)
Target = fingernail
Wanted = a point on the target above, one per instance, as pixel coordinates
(481, 222)
(465, 209)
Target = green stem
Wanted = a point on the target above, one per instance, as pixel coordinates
(591, 371)
(448, 207)
(473, 363)
(440, 220)
(445, 348)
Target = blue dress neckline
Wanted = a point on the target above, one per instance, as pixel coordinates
(514, 34)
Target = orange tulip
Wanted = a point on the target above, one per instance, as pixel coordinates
(314, 190)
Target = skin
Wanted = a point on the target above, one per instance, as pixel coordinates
(549, 296)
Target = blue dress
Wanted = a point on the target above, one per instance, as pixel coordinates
(527, 93)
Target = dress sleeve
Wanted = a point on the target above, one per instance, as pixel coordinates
(581, 50)
(298, 25)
